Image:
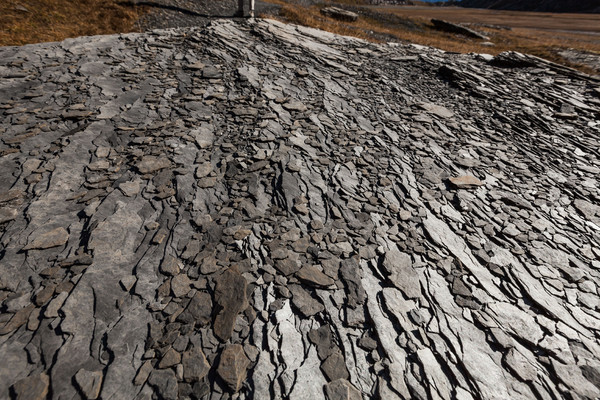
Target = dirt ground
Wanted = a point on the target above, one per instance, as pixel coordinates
(576, 23)
(574, 37)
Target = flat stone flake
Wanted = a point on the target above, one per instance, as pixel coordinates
(341, 389)
(195, 366)
(399, 267)
(304, 302)
(230, 296)
(314, 277)
(165, 383)
(151, 164)
(54, 238)
(130, 188)
(465, 182)
(34, 387)
(8, 214)
(437, 110)
(89, 383)
(233, 366)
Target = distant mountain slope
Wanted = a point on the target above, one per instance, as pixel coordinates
(576, 6)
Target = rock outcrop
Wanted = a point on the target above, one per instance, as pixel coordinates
(457, 28)
(339, 13)
(258, 210)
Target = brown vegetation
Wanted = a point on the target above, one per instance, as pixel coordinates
(34, 21)
(514, 19)
(541, 34)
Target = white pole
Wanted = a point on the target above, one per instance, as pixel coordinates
(251, 8)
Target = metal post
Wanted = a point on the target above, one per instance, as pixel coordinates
(251, 8)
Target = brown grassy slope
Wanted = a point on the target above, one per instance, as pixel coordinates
(514, 19)
(539, 34)
(34, 21)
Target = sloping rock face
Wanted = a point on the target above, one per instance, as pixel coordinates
(285, 213)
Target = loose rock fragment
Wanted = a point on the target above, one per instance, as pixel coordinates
(170, 266)
(55, 305)
(334, 367)
(17, 320)
(164, 382)
(351, 275)
(89, 383)
(341, 389)
(198, 310)
(204, 170)
(195, 366)
(151, 164)
(8, 214)
(401, 272)
(180, 285)
(130, 189)
(10, 195)
(54, 238)
(321, 338)
(465, 182)
(304, 302)
(230, 298)
(171, 358)
(143, 373)
(34, 387)
(314, 277)
(233, 366)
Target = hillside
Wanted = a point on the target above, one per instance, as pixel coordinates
(563, 6)
(254, 210)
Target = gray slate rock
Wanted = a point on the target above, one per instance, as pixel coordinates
(401, 272)
(195, 366)
(34, 387)
(164, 382)
(54, 238)
(89, 383)
(230, 300)
(341, 389)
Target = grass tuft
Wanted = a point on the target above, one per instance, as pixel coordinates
(34, 21)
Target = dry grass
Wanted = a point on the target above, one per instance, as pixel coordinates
(540, 34)
(34, 21)
(514, 19)
(312, 17)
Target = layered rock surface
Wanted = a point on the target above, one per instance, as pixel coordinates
(256, 210)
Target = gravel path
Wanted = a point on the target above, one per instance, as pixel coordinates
(189, 13)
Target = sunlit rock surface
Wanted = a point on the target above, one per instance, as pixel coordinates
(268, 211)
